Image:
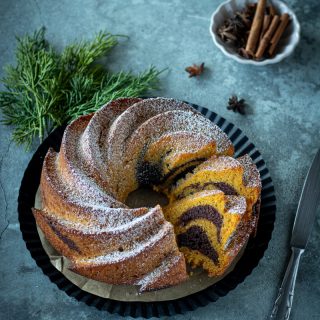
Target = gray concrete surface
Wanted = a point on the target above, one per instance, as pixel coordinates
(284, 125)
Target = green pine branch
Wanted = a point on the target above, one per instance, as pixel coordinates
(47, 89)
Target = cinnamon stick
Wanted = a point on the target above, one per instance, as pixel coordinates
(264, 43)
(272, 10)
(266, 22)
(256, 27)
(284, 20)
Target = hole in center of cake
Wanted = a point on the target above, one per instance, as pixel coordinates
(146, 197)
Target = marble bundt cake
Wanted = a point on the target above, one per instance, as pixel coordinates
(104, 157)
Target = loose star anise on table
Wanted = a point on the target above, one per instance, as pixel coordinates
(195, 70)
(236, 105)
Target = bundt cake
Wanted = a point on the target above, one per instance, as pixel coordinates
(130, 143)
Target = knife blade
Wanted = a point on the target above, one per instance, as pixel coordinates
(304, 220)
(307, 206)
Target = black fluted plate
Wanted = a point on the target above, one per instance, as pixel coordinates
(253, 252)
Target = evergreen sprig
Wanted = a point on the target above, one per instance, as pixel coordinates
(47, 89)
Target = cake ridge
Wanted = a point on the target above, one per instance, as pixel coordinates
(98, 241)
(169, 265)
(71, 165)
(93, 140)
(120, 226)
(50, 180)
(165, 231)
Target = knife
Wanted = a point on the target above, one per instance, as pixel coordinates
(304, 220)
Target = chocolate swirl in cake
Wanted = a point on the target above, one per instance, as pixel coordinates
(195, 238)
(149, 173)
(195, 187)
(203, 212)
(64, 238)
(224, 187)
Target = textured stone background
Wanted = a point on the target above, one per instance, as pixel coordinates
(284, 125)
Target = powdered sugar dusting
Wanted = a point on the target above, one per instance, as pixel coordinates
(116, 256)
(218, 164)
(251, 175)
(167, 264)
(236, 205)
(93, 141)
(71, 167)
(174, 121)
(135, 226)
(92, 211)
(169, 121)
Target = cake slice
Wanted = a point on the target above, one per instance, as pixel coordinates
(232, 176)
(206, 224)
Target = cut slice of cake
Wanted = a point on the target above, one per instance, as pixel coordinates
(206, 224)
(232, 176)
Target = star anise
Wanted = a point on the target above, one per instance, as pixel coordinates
(237, 23)
(245, 17)
(226, 33)
(195, 70)
(235, 29)
(236, 105)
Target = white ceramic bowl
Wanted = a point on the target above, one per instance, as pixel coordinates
(286, 45)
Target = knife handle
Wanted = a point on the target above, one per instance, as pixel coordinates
(282, 306)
